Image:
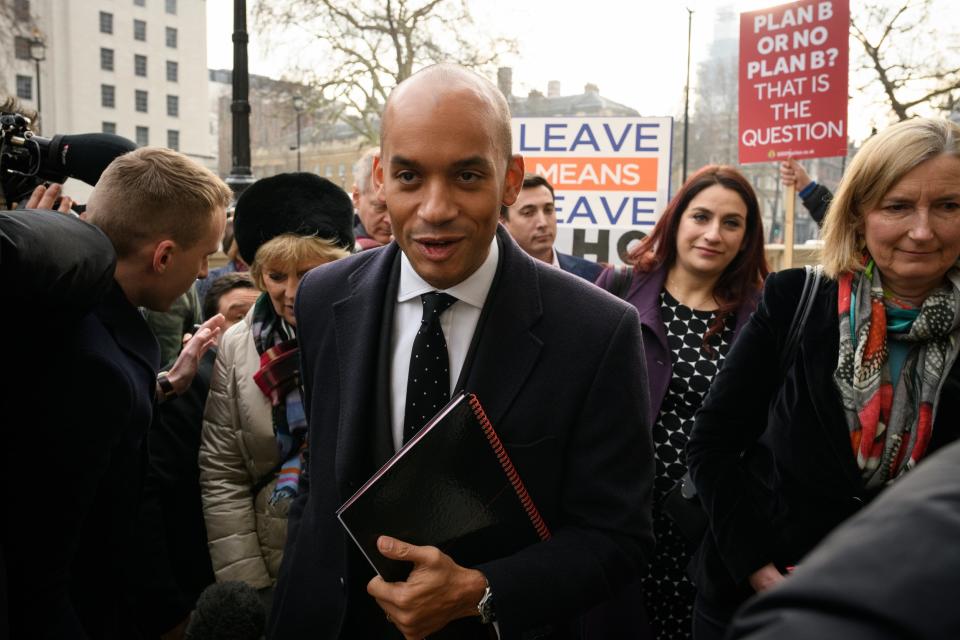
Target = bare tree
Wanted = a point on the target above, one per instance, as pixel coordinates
(907, 54)
(367, 47)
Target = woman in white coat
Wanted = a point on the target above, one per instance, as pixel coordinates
(254, 425)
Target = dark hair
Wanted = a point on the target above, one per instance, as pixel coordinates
(744, 276)
(225, 283)
(530, 181)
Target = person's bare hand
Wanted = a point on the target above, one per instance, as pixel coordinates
(436, 592)
(185, 368)
(44, 197)
(765, 577)
(792, 173)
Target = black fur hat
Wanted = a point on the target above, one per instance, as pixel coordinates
(300, 203)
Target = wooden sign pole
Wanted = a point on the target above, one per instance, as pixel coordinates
(790, 201)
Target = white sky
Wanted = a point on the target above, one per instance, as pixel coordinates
(634, 51)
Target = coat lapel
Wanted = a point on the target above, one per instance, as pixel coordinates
(506, 349)
(819, 346)
(647, 299)
(358, 321)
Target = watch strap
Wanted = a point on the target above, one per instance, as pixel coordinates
(485, 607)
(166, 387)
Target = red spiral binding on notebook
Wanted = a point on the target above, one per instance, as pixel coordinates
(535, 518)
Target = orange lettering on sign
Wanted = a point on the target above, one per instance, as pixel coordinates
(596, 174)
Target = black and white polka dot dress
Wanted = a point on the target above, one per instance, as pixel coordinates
(668, 592)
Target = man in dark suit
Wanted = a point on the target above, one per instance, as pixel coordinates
(532, 221)
(565, 390)
(89, 388)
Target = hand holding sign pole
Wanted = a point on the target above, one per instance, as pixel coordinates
(793, 87)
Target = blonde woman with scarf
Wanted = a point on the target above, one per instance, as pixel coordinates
(781, 460)
(254, 429)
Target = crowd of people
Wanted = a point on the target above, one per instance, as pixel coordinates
(711, 445)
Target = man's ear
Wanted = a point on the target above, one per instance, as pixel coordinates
(514, 180)
(355, 194)
(162, 255)
(376, 176)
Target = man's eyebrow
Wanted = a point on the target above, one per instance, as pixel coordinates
(403, 162)
(473, 162)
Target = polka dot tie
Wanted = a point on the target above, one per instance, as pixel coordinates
(428, 384)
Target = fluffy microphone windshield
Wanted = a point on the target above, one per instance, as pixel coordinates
(85, 156)
(227, 611)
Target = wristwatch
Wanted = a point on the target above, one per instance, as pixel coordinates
(167, 391)
(485, 607)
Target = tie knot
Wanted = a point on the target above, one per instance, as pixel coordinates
(435, 303)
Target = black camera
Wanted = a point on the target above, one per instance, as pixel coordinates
(27, 160)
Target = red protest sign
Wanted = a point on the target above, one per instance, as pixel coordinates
(793, 81)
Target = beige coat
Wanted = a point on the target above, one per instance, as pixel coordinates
(237, 448)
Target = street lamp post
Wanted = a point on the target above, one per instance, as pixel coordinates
(298, 107)
(38, 53)
(241, 175)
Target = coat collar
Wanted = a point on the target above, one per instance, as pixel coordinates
(128, 328)
(645, 293)
(503, 354)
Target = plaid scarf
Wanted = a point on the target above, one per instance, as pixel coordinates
(891, 421)
(279, 379)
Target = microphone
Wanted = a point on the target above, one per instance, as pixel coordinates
(82, 156)
(227, 611)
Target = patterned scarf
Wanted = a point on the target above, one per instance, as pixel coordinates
(891, 421)
(279, 379)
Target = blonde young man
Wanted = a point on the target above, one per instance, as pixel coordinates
(82, 458)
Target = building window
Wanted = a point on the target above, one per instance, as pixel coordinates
(143, 136)
(140, 65)
(172, 7)
(140, 3)
(25, 87)
(21, 10)
(106, 22)
(108, 96)
(173, 106)
(173, 71)
(173, 139)
(171, 37)
(106, 59)
(139, 30)
(140, 100)
(109, 127)
(21, 48)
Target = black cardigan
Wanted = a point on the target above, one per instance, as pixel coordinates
(771, 456)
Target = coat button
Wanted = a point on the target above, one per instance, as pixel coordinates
(343, 584)
(660, 362)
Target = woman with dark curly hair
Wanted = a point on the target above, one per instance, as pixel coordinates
(696, 280)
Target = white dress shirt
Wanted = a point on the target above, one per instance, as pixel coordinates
(458, 323)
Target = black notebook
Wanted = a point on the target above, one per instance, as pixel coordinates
(451, 486)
